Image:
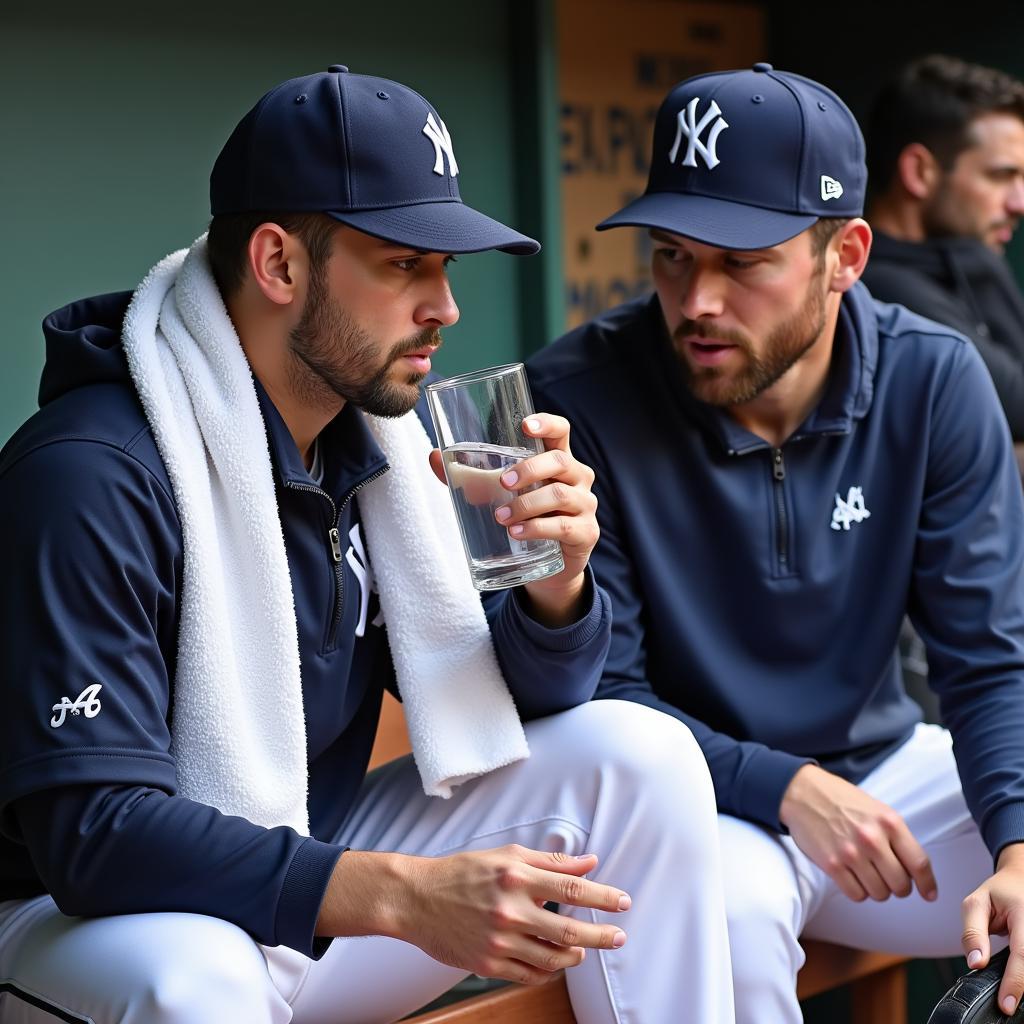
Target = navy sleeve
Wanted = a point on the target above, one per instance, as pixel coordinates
(749, 778)
(549, 670)
(88, 626)
(103, 850)
(967, 601)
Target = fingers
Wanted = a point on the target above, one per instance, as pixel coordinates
(1012, 985)
(437, 465)
(913, 858)
(976, 913)
(549, 465)
(553, 429)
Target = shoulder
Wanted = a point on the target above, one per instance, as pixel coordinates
(595, 350)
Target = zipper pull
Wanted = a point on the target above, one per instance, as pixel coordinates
(778, 466)
(335, 543)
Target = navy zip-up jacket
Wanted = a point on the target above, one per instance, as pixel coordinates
(758, 593)
(93, 560)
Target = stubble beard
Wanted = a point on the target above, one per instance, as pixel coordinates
(787, 343)
(333, 357)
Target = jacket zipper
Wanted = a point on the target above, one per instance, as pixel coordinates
(781, 531)
(334, 541)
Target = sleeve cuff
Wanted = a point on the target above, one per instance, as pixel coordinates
(1004, 826)
(302, 895)
(565, 638)
(763, 783)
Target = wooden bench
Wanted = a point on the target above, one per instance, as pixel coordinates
(877, 981)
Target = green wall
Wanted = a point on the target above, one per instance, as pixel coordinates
(112, 115)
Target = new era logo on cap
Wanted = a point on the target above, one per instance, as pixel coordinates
(830, 188)
(748, 159)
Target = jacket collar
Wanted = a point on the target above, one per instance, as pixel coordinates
(348, 449)
(848, 392)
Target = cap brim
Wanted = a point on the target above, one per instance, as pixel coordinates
(439, 227)
(717, 222)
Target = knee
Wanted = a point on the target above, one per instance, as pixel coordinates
(640, 759)
(216, 974)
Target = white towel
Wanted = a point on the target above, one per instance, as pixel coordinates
(238, 729)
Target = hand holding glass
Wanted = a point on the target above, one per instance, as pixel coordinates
(478, 418)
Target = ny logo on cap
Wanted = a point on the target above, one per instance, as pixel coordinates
(688, 125)
(438, 135)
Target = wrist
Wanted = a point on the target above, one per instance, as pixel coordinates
(364, 895)
(1011, 856)
(795, 793)
(555, 605)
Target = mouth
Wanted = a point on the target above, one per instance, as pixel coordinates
(419, 361)
(707, 351)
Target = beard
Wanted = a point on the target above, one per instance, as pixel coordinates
(787, 343)
(947, 215)
(333, 357)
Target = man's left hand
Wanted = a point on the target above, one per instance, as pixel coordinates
(996, 907)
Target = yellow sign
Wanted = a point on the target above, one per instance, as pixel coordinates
(617, 61)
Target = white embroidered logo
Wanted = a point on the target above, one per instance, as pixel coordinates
(88, 701)
(688, 125)
(438, 135)
(360, 566)
(852, 510)
(830, 188)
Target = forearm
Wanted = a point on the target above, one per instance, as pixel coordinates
(120, 850)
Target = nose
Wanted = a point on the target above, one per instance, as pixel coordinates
(703, 293)
(438, 309)
(1015, 197)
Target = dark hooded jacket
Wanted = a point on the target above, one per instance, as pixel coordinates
(962, 283)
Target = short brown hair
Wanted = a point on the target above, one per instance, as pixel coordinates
(229, 234)
(934, 101)
(823, 230)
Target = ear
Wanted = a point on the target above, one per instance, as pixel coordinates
(848, 254)
(918, 170)
(277, 261)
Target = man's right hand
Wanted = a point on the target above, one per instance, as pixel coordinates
(481, 911)
(862, 844)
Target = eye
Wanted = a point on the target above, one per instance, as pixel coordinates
(408, 263)
(670, 254)
(449, 259)
(740, 262)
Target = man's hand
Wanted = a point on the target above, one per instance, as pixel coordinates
(996, 907)
(863, 845)
(481, 911)
(561, 508)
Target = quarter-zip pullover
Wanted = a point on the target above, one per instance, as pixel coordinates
(758, 592)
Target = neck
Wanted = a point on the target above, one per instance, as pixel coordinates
(777, 412)
(897, 219)
(299, 397)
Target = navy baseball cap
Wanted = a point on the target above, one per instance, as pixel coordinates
(369, 152)
(749, 159)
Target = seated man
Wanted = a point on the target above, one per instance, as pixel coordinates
(946, 175)
(784, 467)
(194, 649)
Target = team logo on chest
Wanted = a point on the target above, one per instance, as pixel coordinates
(852, 510)
(363, 572)
(688, 125)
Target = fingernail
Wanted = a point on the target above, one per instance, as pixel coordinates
(931, 894)
(583, 856)
(516, 530)
(625, 902)
(510, 479)
(503, 513)
(974, 958)
(1009, 1005)
(618, 940)
(533, 424)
